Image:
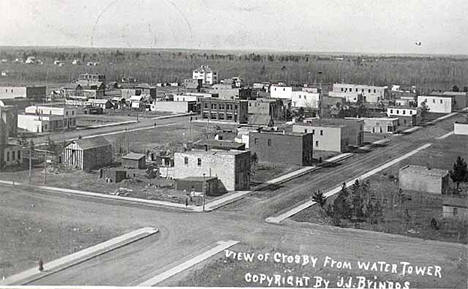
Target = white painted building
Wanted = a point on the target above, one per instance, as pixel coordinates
(436, 103)
(280, 91)
(206, 74)
(370, 93)
(348, 96)
(401, 111)
(460, 128)
(305, 99)
(43, 123)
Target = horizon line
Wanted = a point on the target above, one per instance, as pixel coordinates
(264, 50)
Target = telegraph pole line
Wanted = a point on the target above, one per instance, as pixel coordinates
(30, 162)
(45, 167)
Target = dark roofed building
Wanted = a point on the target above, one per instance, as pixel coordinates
(87, 154)
(134, 161)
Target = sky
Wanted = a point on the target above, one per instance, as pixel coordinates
(353, 26)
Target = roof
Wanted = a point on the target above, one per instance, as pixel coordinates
(221, 144)
(420, 170)
(133, 156)
(214, 152)
(91, 143)
(330, 122)
(403, 107)
(285, 133)
(261, 119)
(98, 100)
(198, 179)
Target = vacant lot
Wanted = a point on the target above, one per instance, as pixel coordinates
(29, 232)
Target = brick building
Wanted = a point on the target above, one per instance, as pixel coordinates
(232, 168)
(281, 147)
(224, 110)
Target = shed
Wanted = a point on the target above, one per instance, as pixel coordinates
(208, 185)
(113, 175)
(134, 161)
(87, 154)
(455, 207)
(423, 179)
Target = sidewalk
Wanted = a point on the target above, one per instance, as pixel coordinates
(78, 257)
(221, 246)
(296, 209)
(110, 197)
(109, 124)
(234, 196)
(173, 115)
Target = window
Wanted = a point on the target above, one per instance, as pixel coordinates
(65, 113)
(316, 143)
(313, 131)
(433, 100)
(13, 155)
(206, 105)
(375, 90)
(269, 142)
(397, 111)
(455, 211)
(19, 154)
(410, 112)
(321, 132)
(186, 160)
(8, 156)
(391, 110)
(369, 90)
(342, 89)
(299, 96)
(255, 140)
(441, 101)
(199, 162)
(73, 112)
(356, 89)
(305, 130)
(404, 111)
(284, 89)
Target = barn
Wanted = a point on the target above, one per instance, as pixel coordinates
(87, 154)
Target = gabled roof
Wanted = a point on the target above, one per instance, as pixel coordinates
(90, 143)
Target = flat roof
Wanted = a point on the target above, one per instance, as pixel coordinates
(285, 133)
(402, 107)
(215, 152)
(133, 156)
(424, 171)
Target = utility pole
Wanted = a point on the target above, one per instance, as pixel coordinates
(30, 162)
(45, 167)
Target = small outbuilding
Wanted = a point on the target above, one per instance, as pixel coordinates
(88, 154)
(455, 207)
(423, 179)
(134, 161)
(113, 175)
(208, 185)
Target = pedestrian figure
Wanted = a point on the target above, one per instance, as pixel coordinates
(41, 265)
(186, 202)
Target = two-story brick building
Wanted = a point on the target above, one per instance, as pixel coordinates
(232, 168)
(282, 147)
(212, 108)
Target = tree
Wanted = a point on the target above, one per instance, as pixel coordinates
(455, 88)
(423, 109)
(459, 173)
(341, 207)
(319, 198)
(253, 163)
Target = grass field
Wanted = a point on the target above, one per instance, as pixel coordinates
(28, 234)
(224, 271)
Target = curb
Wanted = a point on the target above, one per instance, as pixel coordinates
(146, 232)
